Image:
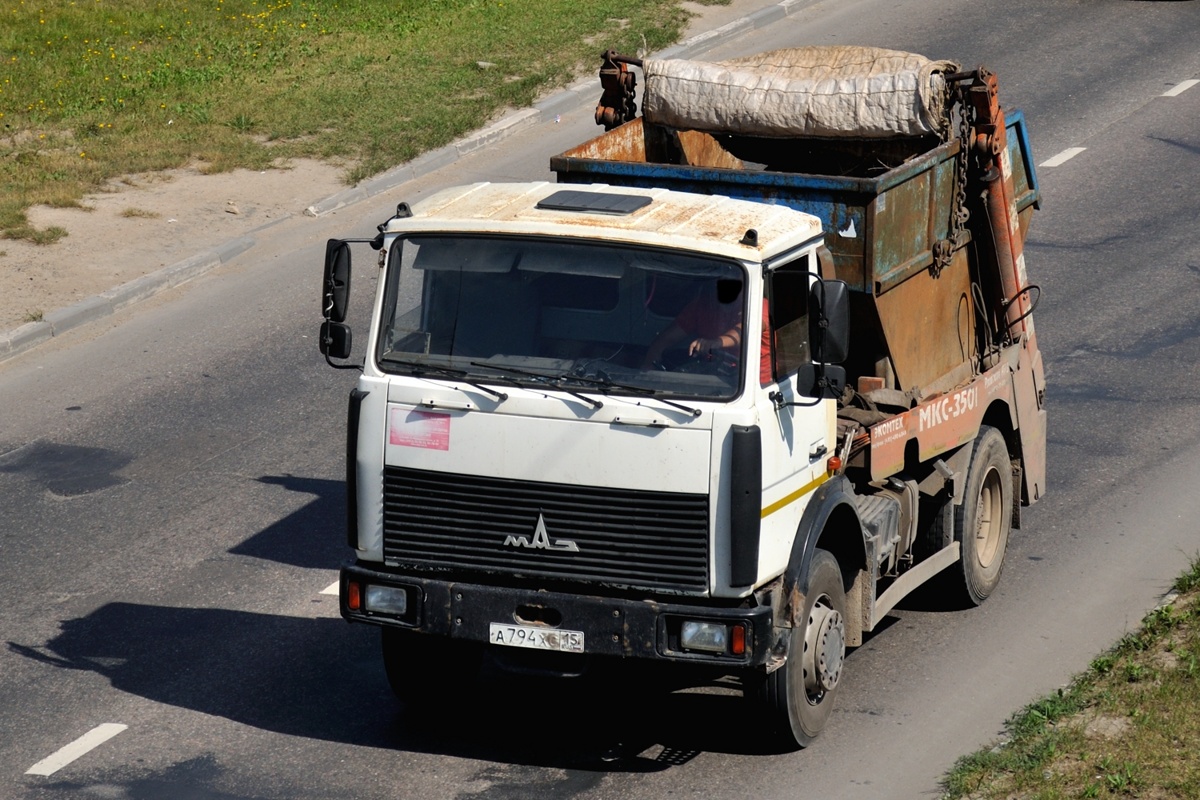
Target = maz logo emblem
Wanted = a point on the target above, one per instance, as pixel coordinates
(541, 540)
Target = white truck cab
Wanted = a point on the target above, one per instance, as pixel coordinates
(508, 350)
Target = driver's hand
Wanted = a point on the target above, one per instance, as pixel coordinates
(700, 347)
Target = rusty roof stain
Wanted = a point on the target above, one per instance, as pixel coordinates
(707, 223)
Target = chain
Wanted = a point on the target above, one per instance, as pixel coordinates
(943, 250)
(618, 103)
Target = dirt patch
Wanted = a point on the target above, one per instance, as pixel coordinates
(143, 223)
(1104, 726)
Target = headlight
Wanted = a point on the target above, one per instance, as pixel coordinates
(386, 600)
(710, 636)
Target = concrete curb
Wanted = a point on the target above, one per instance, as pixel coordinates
(58, 322)
(108, 303)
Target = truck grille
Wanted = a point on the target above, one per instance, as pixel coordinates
(656, 540)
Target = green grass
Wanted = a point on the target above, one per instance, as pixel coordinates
(1128, 727)
(94, 89)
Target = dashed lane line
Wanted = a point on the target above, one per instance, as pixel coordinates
(1071, 152)
(1063, 157)
(1179, 88)
(80, 747)
(331, 589)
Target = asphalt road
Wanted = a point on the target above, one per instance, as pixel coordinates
(171, 492)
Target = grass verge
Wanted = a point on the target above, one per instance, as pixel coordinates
(95, 89)
(1128, 727)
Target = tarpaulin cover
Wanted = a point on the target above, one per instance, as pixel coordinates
(862, 92)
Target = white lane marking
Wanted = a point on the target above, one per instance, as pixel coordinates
(1179, 89)
(331, 589)
(81, 746)
(1063, 157)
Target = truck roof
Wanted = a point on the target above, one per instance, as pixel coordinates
(653, 217)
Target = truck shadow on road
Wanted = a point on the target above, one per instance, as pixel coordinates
(313, 536)
(322, 679)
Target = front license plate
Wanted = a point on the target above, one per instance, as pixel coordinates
(536, 638)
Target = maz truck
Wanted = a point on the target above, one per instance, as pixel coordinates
(759, 364)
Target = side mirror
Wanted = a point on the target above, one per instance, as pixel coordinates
(829, 321)
(335, 290)
(335, 340)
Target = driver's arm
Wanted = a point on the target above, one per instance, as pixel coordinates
(729, 340)
(670, 337)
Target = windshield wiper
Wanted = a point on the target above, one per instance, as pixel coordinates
(608, 383)
(449, 372)
(553, 381)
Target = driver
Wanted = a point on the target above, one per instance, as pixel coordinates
(711, 322)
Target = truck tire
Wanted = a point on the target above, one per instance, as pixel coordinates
(429, 672)
(983, 521)
(798, 697)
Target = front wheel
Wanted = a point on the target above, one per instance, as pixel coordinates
(798, 697)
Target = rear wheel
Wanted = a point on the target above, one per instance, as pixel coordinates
(983, 521)
(798, 697)
(429, 671)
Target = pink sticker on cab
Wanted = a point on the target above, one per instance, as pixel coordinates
(412, 428)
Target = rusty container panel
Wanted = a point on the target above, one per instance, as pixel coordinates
(929, 323)
(701, 150)
(626, 143)
(908, 218)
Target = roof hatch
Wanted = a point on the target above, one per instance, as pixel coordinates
(594, 202)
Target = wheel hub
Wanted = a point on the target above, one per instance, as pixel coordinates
(988, 519)
(824, 649)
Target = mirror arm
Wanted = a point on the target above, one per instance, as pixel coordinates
(402, 212)
(329, 361)
(821, 381)
(777, 398)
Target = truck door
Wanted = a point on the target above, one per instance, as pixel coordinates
(798, 432)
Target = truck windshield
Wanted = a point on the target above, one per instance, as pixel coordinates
(585, 316)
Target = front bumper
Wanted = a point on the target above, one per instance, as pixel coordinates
(612, 626)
